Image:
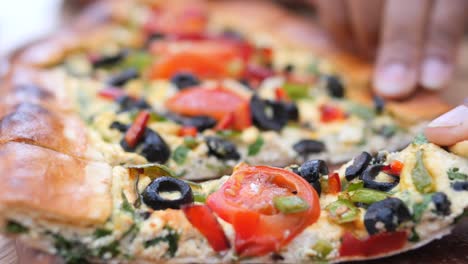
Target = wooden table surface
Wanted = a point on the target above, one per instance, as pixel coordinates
(452, 249)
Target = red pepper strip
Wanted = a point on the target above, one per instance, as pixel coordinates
(203, 219)
(256, 72)
(111, 93)
(334, 183)
(188, 131)
(137, 129)
(394, 168)
(330, 113)
(281, 94)
(225, 123)
(373, 245)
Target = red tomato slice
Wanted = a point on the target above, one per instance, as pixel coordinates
(204, 58)
(246, 201)
(225, 123)
(202, 218)
(186, 21)
(334, 183)
(216, 103)
(135, 132)
(373, 245)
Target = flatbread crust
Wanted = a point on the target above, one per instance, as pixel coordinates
(43, 184)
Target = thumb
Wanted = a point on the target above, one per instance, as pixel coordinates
(449, 128)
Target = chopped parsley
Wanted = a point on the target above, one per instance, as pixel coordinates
(296, 91)
(180, 154)
(172, 239)
(419, 208)
(101, 232)
(16, 228)
(255, 147)
(455, 174)
(72, 252)
(126, 206)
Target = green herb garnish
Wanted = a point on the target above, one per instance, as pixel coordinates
(101, 232)
(290, 204)
(180, 154)
(172, 239)
(255, 147)
(190, 142)
(455, 174)
(72, 252)
(361, 111)
(126, 206)
(368, 196)
(16, 228)
(419, 208)
(420, 139)
(422, 180)
(323, 248)
(342, 211)
(296, 91)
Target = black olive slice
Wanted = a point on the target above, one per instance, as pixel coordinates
(379, 104)
(360, 163)
(460, 186)
(222, 149)
(386, 216)
(127, 103)
(109, 60)
(368, 177)
(152, 198)
(119, 126)
(268, 115)
(312, 170)
(308, 146)
(441, 203)
(151, 146)
(200, 122)
(123, 77)
(292, 110)
(289, 68)
(335, 87)
(184, 79)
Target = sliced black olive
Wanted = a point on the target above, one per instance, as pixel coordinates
(312, 170)
(379, 104)
(123, 77)
(268, 115)
(109, 60)
(276, 257)
(292, 110)
(441, 203)
(308, 146)
(119, 126)
(154, 36)
(152, 198)
(200, 122)
(246, 83)
(385, 216)
(334, 86)
(152, 146)
(460, 186)
(222, 149)
(144, 215)
(127, 103)
(184, 79)
(368, 177)
(360, 163)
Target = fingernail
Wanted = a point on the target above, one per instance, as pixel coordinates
(452, 118)
(435, 73)
(394, 80)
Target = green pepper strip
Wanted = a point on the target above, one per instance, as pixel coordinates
(368, 196)
(422, 180)
(343, 211)
(290, 204)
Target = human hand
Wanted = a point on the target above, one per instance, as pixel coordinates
(449, 128)
(413, 42)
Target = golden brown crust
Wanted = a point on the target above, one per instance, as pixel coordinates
(52, 186)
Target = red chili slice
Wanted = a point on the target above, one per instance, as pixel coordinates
(135, 132)
(334, 183)
(188, 131)
(330, 113)
(373, 245)
(202, 218)
(111, 93)
(394, 168)
(281, 94)
(225, 123)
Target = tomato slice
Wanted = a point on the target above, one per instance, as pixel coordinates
(135, 132)
(202, 218)
(334, 183)
(205, 58)
(216, 103)
(246, 201)
(373, 245)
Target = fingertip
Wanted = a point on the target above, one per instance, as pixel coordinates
(449, 128)
(435, 73)
(394, 81)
